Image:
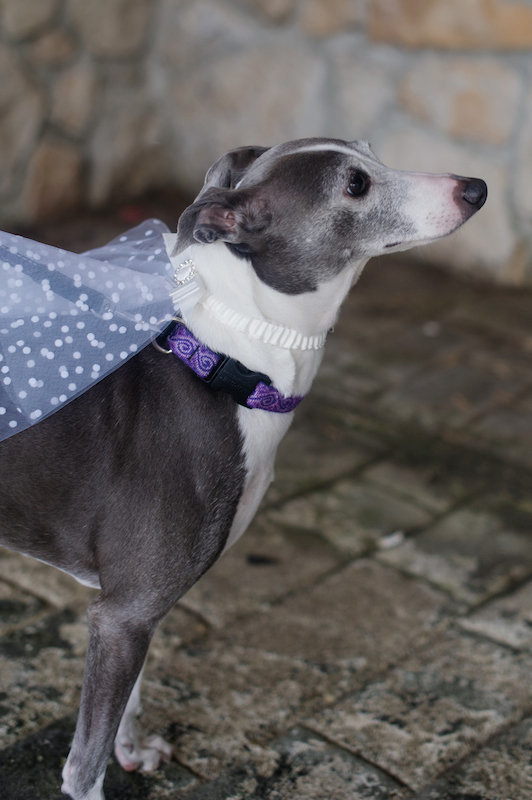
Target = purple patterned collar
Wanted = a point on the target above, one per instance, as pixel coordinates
(248, 388)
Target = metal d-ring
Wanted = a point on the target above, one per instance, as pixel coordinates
(188, 263)
(165, 350)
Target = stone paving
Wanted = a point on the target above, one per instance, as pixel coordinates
(370, 637)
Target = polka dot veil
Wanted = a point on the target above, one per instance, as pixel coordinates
(68, 320)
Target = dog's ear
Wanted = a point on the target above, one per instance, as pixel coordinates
(220, 211)
(232, 216)
(231, 168)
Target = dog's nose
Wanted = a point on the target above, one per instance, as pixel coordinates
(475, 192)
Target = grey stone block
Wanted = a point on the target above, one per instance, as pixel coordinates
(473, 554)
(507, 620)
(307, 768)
(352, 515)
(502, 770)
(433, 710)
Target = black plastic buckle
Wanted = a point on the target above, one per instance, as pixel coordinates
(229, 375)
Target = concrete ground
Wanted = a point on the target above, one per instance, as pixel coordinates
(370, 637)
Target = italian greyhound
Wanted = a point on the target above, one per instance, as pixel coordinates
(144, 480)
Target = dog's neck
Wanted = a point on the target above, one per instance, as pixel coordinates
(236, 306)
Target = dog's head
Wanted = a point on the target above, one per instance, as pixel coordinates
(302, 211)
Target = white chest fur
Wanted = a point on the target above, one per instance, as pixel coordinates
(261, 433)
(231, 283)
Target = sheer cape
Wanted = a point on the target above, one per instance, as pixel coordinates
(67, 320)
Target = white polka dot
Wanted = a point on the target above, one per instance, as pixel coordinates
(30, 363)
(58, 343)
(36, 414)
(22, 394)
(13, 423)
(11, 349)
(4, 370)
(62, 398)
(2, 410)
(54, 401)
(123, 354)
(96, 367)
(76, 355)
(72, 387)
(7, 381)
(78, 370)
(109, 357)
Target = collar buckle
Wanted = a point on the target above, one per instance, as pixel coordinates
(231, 376)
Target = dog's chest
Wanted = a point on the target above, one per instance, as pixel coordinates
(261, 433)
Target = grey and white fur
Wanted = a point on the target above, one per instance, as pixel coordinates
(138, 486)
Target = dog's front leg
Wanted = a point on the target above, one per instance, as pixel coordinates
(132, 749)
(117, 647)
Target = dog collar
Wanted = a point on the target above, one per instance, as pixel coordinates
(250, 389)
(190, 290)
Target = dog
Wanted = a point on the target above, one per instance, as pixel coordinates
(145, 479)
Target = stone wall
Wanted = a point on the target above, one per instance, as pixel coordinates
(104, 99)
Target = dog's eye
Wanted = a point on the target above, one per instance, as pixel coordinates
(359, 184)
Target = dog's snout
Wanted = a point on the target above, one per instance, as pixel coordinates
(475, 192)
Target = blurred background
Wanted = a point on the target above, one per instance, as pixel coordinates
(104, 101)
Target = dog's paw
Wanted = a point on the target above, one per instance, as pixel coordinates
(144, 754)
